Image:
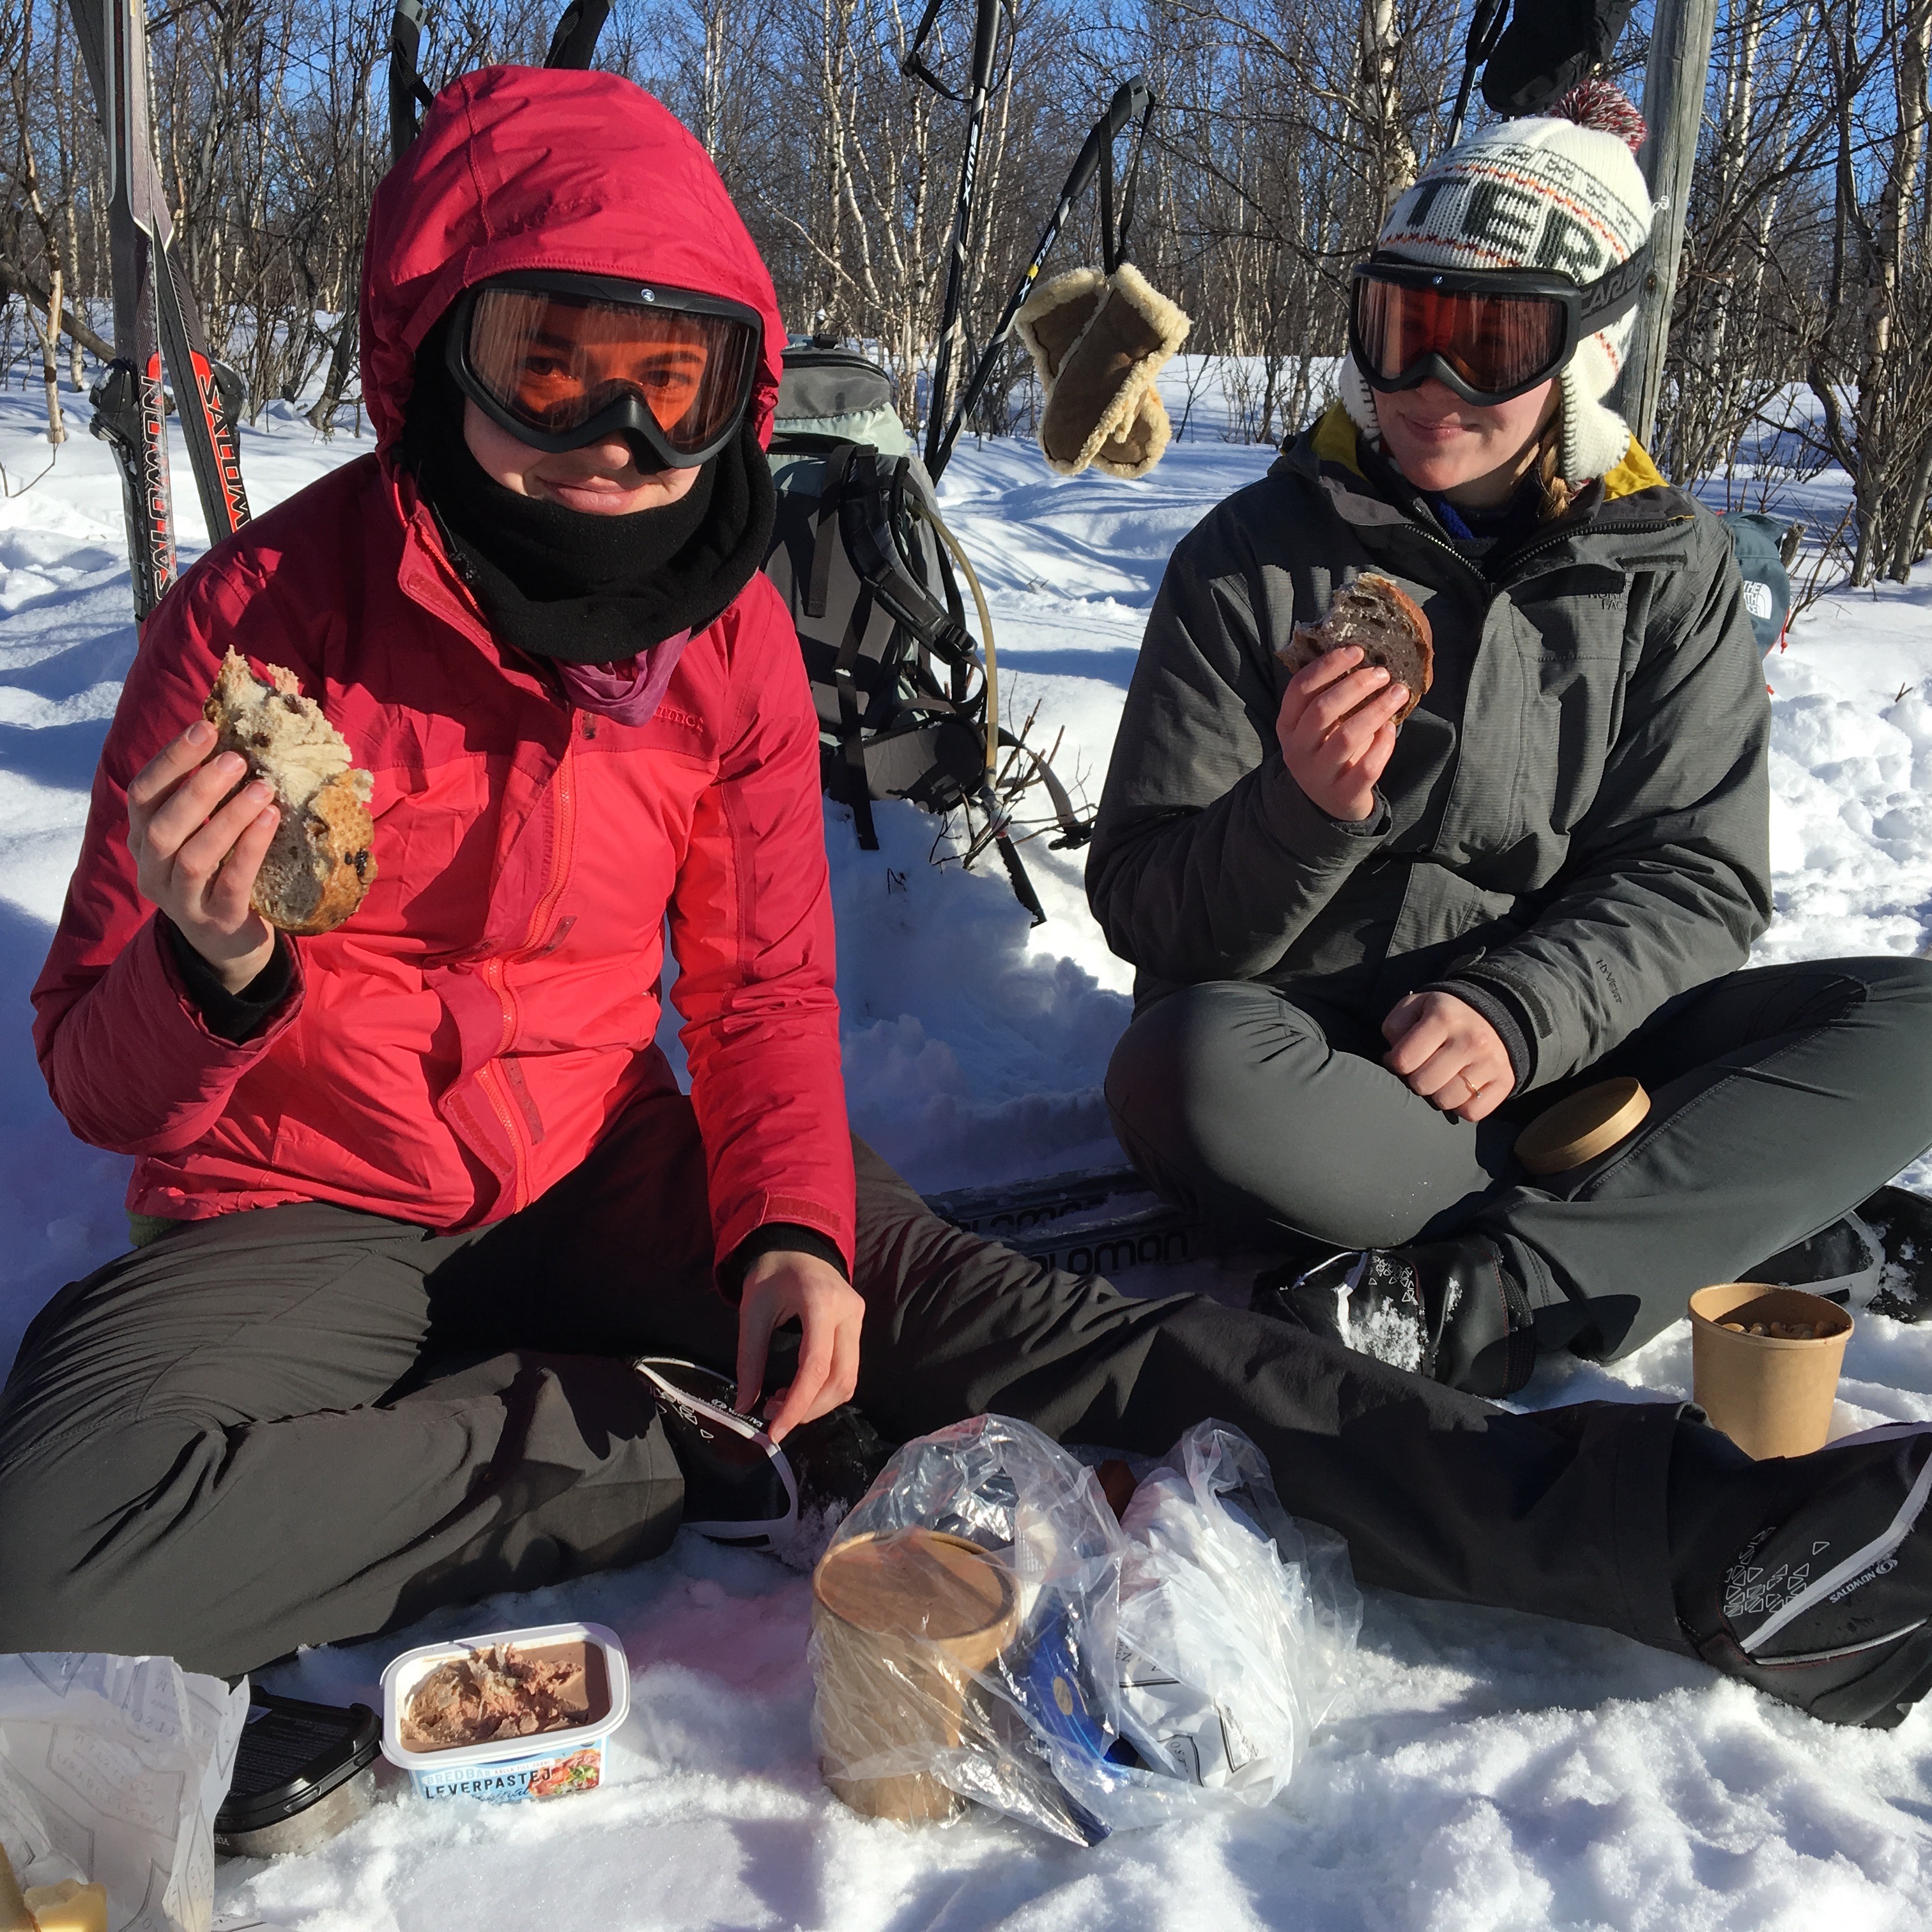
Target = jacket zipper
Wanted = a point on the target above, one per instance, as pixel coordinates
(490, 1077)
(1649, 526)
(560, 845)
(466, 619)
(1492, 585)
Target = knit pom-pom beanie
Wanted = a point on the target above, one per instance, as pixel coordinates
(1560, 190)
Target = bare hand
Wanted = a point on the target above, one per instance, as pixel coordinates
(779, 1286)
(1337, 728)
(1449, 1053)
(195, 857)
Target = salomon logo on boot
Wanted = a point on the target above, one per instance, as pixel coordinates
(1830, 1609)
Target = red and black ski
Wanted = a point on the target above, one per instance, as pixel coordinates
(205, 394)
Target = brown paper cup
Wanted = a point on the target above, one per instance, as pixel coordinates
(1771, 1395)
(901, 1621)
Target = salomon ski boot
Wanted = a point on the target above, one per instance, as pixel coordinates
(1811, 1578)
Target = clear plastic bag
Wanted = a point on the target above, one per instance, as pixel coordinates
(984, 1628)
(1235, 1620)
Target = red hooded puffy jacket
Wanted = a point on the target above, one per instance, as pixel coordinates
(460, 1043)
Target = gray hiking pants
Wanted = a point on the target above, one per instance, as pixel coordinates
(1779, 1097)
(304, 1423)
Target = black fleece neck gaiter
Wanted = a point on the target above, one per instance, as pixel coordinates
(564, 584)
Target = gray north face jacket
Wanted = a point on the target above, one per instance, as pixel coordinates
(1573, 827)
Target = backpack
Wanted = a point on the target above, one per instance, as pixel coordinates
(1758, 542)
(859, 554)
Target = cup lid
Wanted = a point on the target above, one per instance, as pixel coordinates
(1584, 1126)
(920, 1581)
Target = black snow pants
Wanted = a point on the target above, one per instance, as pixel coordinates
(1781, 1096)
(305, 1423)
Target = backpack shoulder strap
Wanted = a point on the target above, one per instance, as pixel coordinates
(832, 494)
(867, 516)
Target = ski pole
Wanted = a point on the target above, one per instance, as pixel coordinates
(206, 394)
(1131, 98)
(406, 91)
(985, 34)
(155, 320)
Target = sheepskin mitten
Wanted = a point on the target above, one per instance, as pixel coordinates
(1562, 191)
(1098, 342)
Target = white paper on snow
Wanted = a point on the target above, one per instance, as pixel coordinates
(111, 1769)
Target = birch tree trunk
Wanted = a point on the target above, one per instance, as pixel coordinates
(1882, 423)
(1392, 155)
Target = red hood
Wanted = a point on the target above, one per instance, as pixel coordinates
(521, 167)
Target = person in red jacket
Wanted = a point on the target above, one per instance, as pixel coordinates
(442, 1286)
(467, 1038)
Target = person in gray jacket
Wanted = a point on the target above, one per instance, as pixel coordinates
(1367, 955)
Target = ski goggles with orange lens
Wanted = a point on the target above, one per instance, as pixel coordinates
(561, 361)
(1485, 334)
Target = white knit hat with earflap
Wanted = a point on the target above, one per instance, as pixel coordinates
(1561, 191)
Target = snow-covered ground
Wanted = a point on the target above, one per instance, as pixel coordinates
(1482, 1770)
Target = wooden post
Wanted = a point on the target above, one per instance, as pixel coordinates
(1673, 105)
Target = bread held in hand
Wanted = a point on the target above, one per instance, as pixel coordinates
(319, 864)
(1376, 614)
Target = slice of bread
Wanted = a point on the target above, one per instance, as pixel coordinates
(1375, 612)
(319, 864)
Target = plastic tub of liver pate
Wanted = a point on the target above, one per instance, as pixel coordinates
(457, 1734)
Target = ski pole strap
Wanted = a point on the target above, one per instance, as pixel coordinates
(1114, 241)
(574, 43)
(913, 66)
(406, 90)
(1485, 29)
(1110, 257)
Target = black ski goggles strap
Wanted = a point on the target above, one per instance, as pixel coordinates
(1487, 335)
(561, 361)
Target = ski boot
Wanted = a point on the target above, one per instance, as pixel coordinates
(1450, 1310)
(1810, 1578)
